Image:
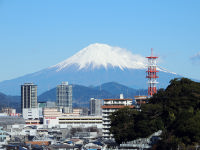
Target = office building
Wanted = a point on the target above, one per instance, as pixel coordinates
(28, 96)
(95, 107)
(64, 97)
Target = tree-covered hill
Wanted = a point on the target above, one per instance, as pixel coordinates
(175, 111)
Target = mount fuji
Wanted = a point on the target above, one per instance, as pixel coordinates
(92, 66)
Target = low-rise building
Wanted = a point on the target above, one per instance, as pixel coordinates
(54, 117)
(80, 121)
(10, 111)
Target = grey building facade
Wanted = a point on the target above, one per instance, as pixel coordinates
(64, 97)
(28, 96)
(95, 107)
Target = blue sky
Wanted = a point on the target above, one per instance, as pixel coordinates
(37, 34)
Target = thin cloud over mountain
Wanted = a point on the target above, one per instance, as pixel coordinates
(195, 58)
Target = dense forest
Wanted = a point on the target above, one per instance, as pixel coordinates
(174, 110)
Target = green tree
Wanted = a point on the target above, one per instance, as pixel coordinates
(122, 124)
(174, 110)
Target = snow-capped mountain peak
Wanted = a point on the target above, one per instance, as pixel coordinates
(102, 55)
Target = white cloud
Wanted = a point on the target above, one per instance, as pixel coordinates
(195, 57)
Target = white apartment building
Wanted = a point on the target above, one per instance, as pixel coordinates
(111, 105)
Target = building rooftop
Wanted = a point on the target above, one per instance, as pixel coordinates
(117, 106)
(118, 99)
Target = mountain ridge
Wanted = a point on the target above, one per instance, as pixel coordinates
(82, 94)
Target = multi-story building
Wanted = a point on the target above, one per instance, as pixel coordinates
(54, 117)
(28, 96)
(110, 106)
(95, 107)
(31, 115)
(64, 97)
(80, 121)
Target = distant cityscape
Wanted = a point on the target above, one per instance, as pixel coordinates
(57, 125)
(37, 119)
(81, 75)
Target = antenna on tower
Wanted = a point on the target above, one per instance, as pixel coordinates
(151, 52)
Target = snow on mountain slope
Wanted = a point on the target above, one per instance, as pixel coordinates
(102, 55)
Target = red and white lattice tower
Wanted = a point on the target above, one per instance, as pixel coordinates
(152, 74)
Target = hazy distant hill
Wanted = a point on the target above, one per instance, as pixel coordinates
(82, 94)
(10, 101)
(115, 89)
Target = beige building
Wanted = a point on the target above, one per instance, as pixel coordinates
(80, 121)
(51, 116)
(54, 117)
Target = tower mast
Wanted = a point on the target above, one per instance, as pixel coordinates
(152, 74)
